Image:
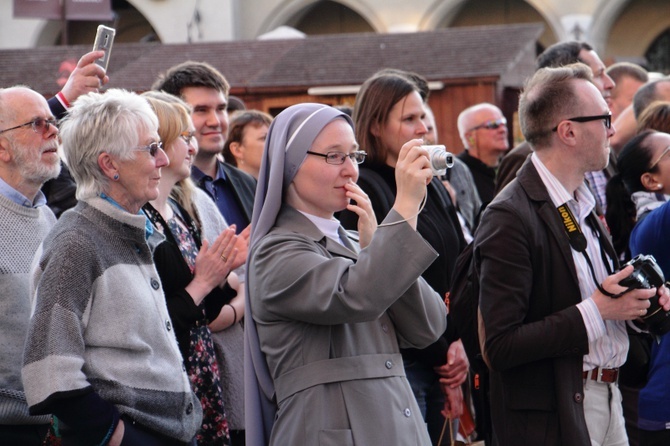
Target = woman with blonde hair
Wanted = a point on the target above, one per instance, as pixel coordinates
(193, 271)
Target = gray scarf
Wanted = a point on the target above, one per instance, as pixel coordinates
(646, 202)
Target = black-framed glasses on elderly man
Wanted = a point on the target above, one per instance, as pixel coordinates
(151, 148)
(187, 136)
(40, 125)
(494, 124)
(340, 157)
(607, 118)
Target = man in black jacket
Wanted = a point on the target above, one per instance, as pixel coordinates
(553, 331)
(206, 91)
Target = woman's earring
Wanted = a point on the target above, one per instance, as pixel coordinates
(116, 177)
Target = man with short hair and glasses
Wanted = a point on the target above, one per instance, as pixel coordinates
(552, 311)
(559, 54)
(483, 130)
(28, 157)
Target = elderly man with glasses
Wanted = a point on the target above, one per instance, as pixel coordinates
(28, 158)
(483, 130)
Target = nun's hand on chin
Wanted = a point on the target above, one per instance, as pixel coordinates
(367, 222)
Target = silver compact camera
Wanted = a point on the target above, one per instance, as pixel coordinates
(440, 159)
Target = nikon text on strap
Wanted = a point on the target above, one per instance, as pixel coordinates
(578, 243)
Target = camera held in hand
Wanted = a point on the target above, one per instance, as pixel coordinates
(440, 159)
(647, 274)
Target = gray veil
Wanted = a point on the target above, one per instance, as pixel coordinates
(290, 136)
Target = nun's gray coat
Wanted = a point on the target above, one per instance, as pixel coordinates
(330, 321)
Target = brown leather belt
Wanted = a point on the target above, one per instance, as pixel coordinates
(602, 375)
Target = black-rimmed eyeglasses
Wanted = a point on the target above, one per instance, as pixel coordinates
(40, 125)
(607, 118)
(490, 125)
(340, 157)
(151, 148)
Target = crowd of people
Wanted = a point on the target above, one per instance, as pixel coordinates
(175, 275)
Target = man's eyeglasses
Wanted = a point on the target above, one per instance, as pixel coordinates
(340, 157)
(151, 148)
(490, 125)
(187, 136)
(607, 118)
(40, 125)
(660, 157)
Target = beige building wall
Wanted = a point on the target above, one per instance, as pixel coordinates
(619, 29)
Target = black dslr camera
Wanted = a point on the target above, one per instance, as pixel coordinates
(647, 274)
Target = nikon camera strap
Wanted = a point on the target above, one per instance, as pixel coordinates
(577, 241)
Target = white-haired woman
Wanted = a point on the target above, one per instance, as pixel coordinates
(101, 354)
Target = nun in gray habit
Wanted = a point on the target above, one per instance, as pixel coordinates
(322, 362)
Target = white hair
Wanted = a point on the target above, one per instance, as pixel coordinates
(112, 123)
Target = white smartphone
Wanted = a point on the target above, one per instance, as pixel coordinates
(104, 38)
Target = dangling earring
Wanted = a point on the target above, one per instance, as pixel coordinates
(116, 177)
(659, 186)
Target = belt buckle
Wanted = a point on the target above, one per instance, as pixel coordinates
(599, 377)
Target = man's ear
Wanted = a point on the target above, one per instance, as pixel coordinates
(565, 132)
(108, 165)
(5, 151)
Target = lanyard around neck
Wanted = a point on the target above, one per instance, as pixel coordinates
(578, 242)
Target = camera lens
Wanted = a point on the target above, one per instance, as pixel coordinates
(440, 159)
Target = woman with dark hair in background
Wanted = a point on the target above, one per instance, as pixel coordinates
(246, 139)
(389, 112)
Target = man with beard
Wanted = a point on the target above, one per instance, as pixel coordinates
(28, 158)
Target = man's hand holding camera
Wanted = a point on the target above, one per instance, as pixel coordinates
(630, 305)
(633, 303)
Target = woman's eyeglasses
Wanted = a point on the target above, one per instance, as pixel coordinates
(187, 136)
(40, 125)
(340, 157)
(151, 148)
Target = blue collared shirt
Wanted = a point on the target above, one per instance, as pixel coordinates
(148, 227)
(221, 191)
(18, 198)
